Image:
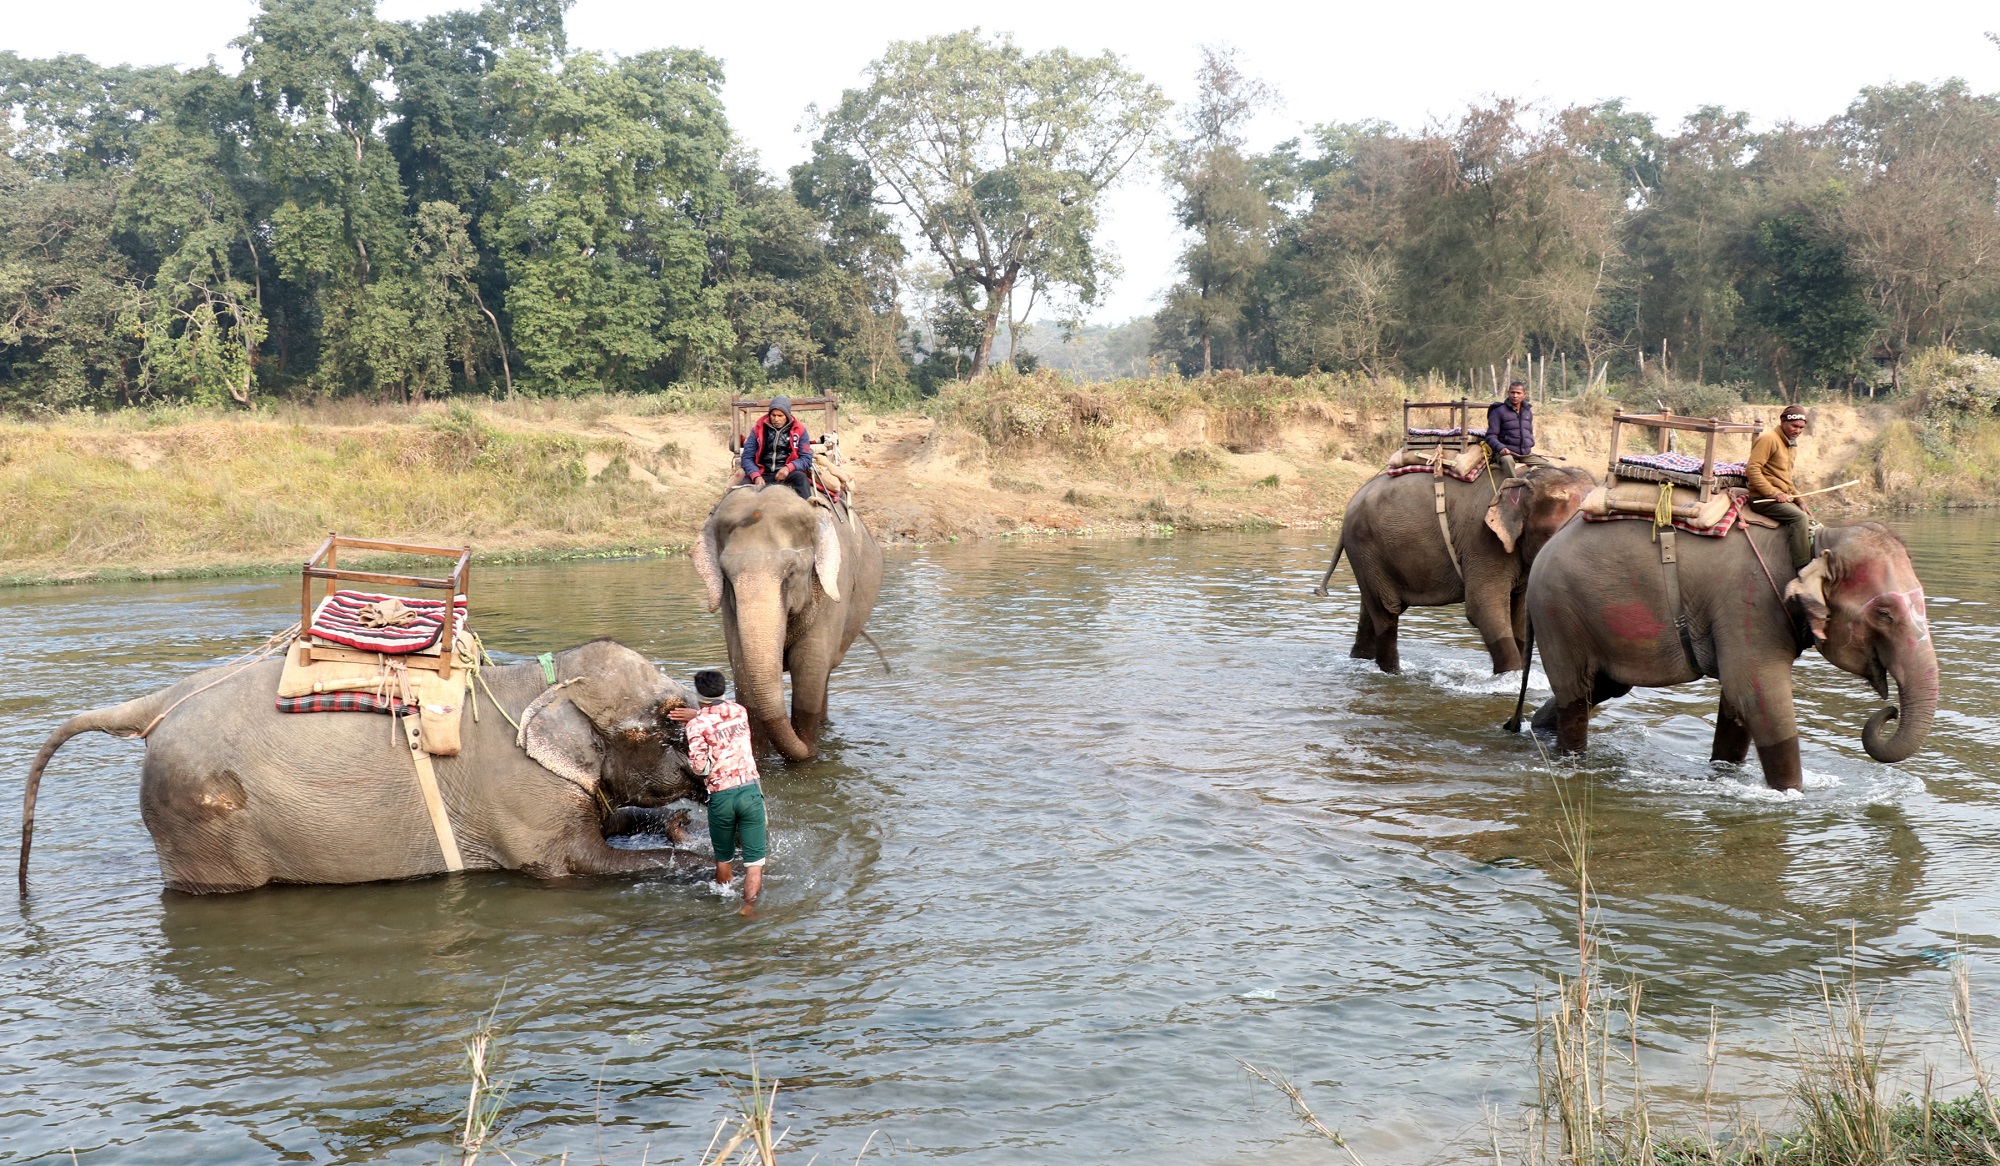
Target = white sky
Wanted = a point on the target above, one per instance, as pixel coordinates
(1408, 63)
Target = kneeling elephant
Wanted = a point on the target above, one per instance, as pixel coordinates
(237, 794)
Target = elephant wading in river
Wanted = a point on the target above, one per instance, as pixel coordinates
(1392, 540)
(795, 584)
(237, 794)
(1598, 601)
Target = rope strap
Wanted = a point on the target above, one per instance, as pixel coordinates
(433, 799)
(1670, 563)
(1444, 524)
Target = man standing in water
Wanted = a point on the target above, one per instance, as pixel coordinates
(1770, 474)
(719, 753)
(1510, 429)
(778, 449)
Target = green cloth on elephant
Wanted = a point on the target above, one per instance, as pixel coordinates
(737, 815)
(1798, 529)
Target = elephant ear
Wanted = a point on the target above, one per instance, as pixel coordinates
(705, 557)
(1507, 514)
(621, 692)
(557, 735)
(1809, 590)
(826, 555)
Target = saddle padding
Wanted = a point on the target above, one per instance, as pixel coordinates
(1643, 498)
(440, 700)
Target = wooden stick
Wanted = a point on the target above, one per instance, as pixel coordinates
(1810, 493)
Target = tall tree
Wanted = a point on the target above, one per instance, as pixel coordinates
(1807, 295)
(1924, 165)
(1220, 205)
(614, 191)
(1000, 159)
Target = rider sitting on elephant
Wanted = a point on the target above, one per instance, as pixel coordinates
(777, 448)
(1510, 429)
(1770, 474)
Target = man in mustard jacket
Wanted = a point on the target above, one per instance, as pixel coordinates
(1771, 489)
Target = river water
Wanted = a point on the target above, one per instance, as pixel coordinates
(1124, 813)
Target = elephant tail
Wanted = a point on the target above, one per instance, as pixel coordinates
(134, 718)
(1513, 724)
(1339, 548)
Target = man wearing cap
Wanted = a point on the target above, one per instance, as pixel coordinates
(1770, 473)
(719, 753)
(1510, 428)
(777, 450)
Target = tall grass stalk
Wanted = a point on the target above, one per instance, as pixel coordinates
(485, 1101)
(750, 1140)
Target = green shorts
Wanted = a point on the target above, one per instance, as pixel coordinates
(737, 815)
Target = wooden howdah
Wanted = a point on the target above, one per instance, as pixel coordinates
(1458, 416)
(1709, 427)
(746, 411)
(325, 565)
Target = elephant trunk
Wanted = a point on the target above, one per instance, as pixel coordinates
(760, 625)
(1916, 678)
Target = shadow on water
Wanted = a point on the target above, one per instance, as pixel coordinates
(1124, 811)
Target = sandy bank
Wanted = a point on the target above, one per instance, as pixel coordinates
(150, 495)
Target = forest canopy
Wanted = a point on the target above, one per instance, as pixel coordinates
(402, 210)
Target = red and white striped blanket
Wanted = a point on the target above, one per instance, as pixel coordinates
(338, 621)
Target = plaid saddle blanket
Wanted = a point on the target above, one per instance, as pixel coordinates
(343, 618)
(1450, 471)
(1680, 468)
(345, 702)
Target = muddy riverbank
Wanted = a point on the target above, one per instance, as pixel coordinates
(190, 493)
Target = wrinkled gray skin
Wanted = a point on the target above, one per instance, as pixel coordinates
(1392, 542)
(795, 586)
(237, 794)
(1597, 596)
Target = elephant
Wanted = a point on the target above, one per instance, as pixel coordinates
(237, 794)
(795, 583)
(1391, 538)
(1597, 604)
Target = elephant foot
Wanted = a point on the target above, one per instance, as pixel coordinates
(1573, 727)
(1781, 764)
(1732, 737)
(1362, 650)
(1544, 720)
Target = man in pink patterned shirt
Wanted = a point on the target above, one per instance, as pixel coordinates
(719, 753)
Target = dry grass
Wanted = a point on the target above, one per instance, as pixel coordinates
(195, 489)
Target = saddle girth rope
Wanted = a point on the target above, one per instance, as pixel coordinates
(427, 782)
(1444, 523)
(1670, 563)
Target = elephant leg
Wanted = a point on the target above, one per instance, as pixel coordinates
(1492, 614)
(1387, 658)
(1573, 726)
(593, 857)
(1364, 636)
(1545, 717)
(810, 661)
(1732, 734)
(1781, 764)
(647, 820)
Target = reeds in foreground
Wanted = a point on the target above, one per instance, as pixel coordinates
(1594, 1109)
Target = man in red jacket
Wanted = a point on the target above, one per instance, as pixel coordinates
(778, 450)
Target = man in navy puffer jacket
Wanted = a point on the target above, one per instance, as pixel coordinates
(1510, 428)
(777, 450)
